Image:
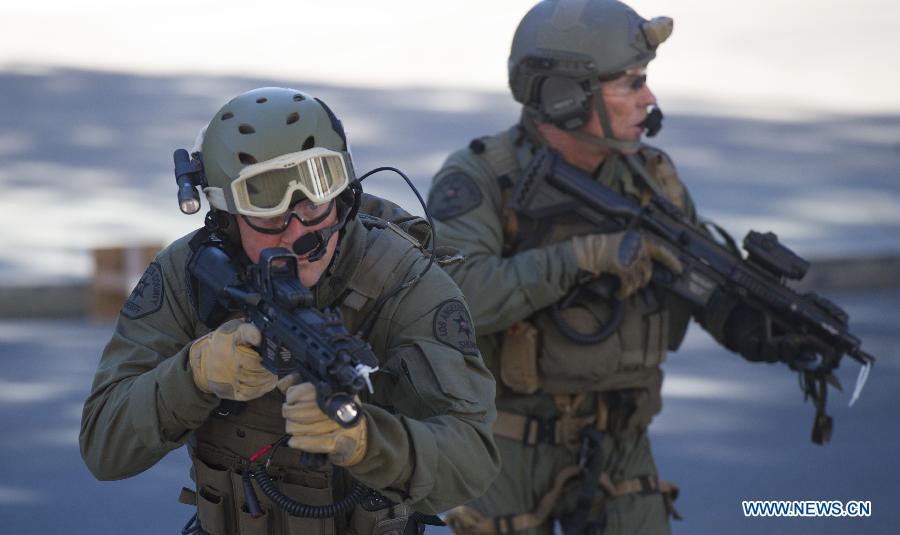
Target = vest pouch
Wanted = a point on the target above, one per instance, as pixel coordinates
(246, 523)
(568, 367)
(620, 361)
(391, 526)
(648, 402)
(363, 522)
(214, 508)
(253, 526)
(312, 491)
(519, 358)
(387, 521)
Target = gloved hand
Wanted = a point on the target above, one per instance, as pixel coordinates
(313, 431)
(224, 364)
(628, 255)
(463, 520)
(745, 333)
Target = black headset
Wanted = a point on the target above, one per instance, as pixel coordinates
(563, 102)
(566, 104)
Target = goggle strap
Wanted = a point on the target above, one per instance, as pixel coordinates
(219, 198)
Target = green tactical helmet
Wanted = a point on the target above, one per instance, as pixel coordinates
(260, 125)
(580, 40)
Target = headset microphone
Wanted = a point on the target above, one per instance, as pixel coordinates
(315, 243)
(653, 122)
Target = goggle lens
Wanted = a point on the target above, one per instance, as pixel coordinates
(265, 189)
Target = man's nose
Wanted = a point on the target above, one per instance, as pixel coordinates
(647, 98)
(294, 230)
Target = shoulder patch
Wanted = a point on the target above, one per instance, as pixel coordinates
(453, 196)
(454, 327)
(147, 296)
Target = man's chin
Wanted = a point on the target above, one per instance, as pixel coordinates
(309, 278)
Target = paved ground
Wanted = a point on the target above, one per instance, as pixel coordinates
(729, 431)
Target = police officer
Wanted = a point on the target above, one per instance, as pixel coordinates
(424, 439)
(577, 357)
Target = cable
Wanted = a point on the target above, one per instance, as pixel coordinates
(406, 284)
(296, 508)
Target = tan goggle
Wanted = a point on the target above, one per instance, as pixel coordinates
(266, 189)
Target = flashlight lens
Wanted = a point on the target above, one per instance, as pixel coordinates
(189, 206)
(347, 412)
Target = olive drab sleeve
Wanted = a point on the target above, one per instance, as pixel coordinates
(430, 442)
(144, 402)
(465, 201)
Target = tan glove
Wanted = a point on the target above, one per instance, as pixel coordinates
(627, 255)
(224, 364)
(313, 431)
(463, 520)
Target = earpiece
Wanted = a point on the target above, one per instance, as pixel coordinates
(563, 102)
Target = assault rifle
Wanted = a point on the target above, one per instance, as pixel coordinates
(296, 337)
(550, 187)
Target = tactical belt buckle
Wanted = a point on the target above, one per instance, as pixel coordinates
(647, 486)
(503, 524)
(536, 431)
(590, 443)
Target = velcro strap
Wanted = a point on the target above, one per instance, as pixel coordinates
(187, 496)
(642, 485)
(465, 520)
(670, 494)
(530, 430)
(639, 485)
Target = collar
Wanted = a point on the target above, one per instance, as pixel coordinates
(347, 257)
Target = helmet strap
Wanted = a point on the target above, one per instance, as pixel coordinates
(608, 140)
(530, 116)
(223, 224)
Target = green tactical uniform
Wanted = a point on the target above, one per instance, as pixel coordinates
(549, 388)
(429, 419)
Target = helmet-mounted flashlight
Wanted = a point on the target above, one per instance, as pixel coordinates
(189, 177)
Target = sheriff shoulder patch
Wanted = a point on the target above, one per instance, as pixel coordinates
(147, 296)
(453, 326)
(453, 195)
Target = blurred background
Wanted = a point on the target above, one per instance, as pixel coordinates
(780, 116)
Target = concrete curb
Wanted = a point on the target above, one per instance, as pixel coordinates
(825, 275)
(842, 274)
(45, 301)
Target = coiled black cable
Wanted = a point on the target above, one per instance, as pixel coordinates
(601, 334)
(295, 508)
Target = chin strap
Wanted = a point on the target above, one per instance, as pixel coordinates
(652, 123)
(613, 145)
